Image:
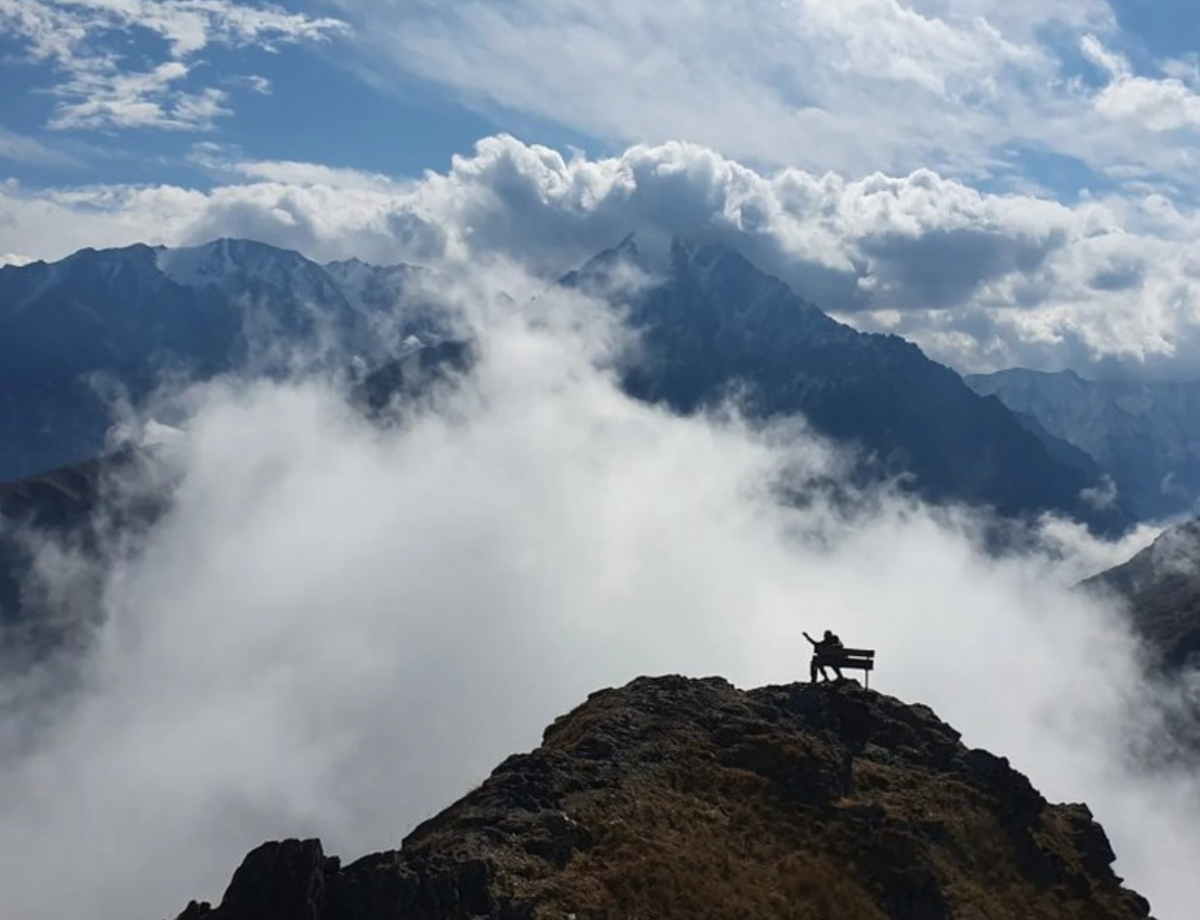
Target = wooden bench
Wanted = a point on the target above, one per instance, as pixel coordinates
(855, 659)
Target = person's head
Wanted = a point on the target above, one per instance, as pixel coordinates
(829, 634)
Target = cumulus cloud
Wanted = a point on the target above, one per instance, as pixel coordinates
(99, 89)
(980, 280)
(337, 629)
(1165, 104)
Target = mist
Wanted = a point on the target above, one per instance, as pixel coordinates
(340, 627)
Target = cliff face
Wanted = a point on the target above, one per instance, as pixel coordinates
(686, 798)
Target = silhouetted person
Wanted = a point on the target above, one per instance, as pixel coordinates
(829, 644)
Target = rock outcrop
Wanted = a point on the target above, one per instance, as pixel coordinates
(673, 797)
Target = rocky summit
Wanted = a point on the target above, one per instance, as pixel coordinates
(681, 798)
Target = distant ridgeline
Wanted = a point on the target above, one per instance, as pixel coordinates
(1144, 435)
(101, 322)
(681, 799)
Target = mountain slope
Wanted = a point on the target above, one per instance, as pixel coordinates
(1145, 435)
(712, 324)
(1161, 586)
(76, 332)
(677, 798)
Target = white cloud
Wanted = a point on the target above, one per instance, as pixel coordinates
(1166, 104)
(99, 89)
(289, 172)
(369, 621)
(978, 89)
(873, 84)
(980, 280)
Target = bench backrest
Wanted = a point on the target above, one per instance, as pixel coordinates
(860, 658)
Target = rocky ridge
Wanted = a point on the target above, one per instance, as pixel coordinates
(673, 797)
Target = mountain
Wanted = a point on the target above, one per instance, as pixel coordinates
(1161, 588)
(132, 487)
(677, 798)
(712, 325)
(1146, 436)
(100, 327)
(104, 325)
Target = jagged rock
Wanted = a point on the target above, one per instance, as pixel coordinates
(673, 797)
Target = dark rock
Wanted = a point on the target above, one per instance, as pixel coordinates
(278, 881)
(673, 797)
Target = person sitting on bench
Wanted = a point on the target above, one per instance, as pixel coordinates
(822, 648)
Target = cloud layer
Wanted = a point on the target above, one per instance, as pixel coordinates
(339, 629)
(980, 280)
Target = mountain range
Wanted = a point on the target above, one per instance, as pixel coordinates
(713, 326)
(80, 335)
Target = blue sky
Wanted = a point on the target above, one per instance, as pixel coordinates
(840, 143)
(308, 97)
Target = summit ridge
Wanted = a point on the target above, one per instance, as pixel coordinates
(676, 797)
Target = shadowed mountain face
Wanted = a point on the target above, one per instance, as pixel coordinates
(1161, 586)
(76, 333)
(100, 326)
(93, 508)
(714, 326)
(1146, 436)
(677, 798)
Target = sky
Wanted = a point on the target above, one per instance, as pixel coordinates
(1004, 183)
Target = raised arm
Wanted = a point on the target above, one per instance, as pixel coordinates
(811, 639)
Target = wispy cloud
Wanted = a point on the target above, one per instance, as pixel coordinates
(228, 162)
(855, 87)
(99, 88)
(19, 148)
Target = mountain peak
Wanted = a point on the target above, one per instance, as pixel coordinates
(220, 260)
(675, 797)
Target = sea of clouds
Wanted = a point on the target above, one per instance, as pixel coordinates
(340, 626)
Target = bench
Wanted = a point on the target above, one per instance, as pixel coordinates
(854, 659)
